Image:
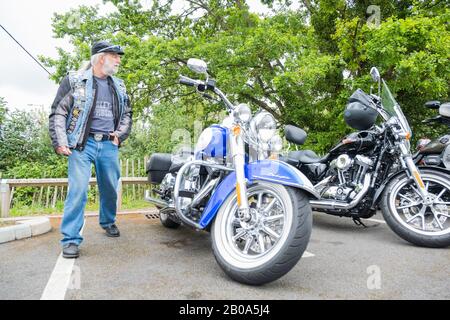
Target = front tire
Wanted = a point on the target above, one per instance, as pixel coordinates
(166, 221)
(405, 213)
(271, 244)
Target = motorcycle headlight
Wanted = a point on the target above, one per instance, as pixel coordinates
(276, 143)
(242, 113)
(264, 126)
(204, 139)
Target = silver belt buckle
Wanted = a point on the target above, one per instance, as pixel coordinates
(98, 137)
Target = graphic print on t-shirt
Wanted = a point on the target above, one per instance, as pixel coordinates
(103, 109)
(103, 117)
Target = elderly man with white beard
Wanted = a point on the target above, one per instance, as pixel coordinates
(91, 116)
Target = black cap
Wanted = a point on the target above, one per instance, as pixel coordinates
(105, 46)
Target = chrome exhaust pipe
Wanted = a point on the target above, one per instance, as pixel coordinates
(204, 192)
(158, 202)
(177, 186)
(333, 204)
(323, 182)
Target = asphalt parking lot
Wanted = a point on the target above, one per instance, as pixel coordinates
(148, 261)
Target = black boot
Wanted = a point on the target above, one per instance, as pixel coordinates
(112, 231)
(71, 251)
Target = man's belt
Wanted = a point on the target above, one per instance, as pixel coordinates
(101, 137)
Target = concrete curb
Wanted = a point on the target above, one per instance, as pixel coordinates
(86, 214)
(25, 228)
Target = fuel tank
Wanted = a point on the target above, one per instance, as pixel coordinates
(357, 142)
(436, 146)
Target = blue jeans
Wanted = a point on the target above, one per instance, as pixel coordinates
(105, 157)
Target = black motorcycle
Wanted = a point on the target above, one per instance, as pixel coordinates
(374, 168)
(435, 152)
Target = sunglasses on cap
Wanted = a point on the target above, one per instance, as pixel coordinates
(115, 48)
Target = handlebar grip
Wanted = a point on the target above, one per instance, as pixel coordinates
(186, 81)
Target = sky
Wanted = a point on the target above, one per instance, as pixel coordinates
(23, 83)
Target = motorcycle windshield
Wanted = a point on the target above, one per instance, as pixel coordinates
(387, 99)
(392, 107)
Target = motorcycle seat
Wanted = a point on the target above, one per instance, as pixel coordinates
(307, 157)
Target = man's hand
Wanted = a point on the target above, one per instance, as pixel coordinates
(116, 139)
(63, 150)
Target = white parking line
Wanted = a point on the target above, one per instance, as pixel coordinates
(307, 254)
(60, 278)
(376, 220)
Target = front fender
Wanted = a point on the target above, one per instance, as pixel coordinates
(265, 170)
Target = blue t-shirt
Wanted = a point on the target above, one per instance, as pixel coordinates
(103, 117)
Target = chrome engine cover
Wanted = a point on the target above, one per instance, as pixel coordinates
(336, 193)
(167, 183)
(349, 177)
(342, 163)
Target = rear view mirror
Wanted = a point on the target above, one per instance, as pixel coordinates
(376, 78)
(375, 74)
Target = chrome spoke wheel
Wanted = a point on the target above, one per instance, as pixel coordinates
(254, 240)
(429, 216)
(262, 231)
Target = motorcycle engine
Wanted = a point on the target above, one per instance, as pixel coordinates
(345, 178)
(167, 184)
(190, 185)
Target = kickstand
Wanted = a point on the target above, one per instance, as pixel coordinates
(358, 222)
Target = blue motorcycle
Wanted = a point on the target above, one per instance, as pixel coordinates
(255, 206)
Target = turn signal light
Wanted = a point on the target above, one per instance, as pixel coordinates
(236, 130)
(419, 179)
(408, 136)
(238, 193)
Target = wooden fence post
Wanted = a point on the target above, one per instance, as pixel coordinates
(133, 186)
(48, 197)
(138, 175)
(40, 196)
(5, 197)
(144, 174)
(126, 175)
(55, 195)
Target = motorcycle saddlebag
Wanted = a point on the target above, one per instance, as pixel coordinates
(158, 166)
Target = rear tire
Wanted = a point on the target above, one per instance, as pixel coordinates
(278, 259)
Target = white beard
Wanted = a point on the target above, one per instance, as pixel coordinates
(109, 67)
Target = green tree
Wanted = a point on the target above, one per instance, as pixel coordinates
(288, 62)
(2, 110)
(412, 54)
(26, 151)
(25, 144)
